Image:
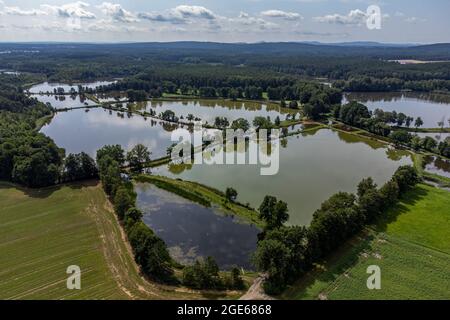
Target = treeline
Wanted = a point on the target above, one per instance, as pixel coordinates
(404, 138)
(282, 63)
(378, 122)
(389, 124)
(369, 84)
(190, 81)
(286, 253)
(150, 251)
(26, 156)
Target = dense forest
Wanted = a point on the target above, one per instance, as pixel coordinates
(26, 156)
(353, 68)
(197, 81)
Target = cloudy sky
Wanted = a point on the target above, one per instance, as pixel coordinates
(402, 21)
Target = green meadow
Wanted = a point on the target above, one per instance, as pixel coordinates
(410, 245)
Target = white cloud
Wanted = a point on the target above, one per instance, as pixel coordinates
(194, 12)
(160, 17)
(16, 11)
(354, 17)
(71, 10)
(181, 15)
(116, 12)
(245, 19)
(281, 14)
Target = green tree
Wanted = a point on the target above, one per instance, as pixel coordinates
(138, 157)
(401, 119)
(428, 143)
(272, 257)
(132, 216)
(406, 178)
(262, 123)
(418, 123)
(277, 121)
(240, 123)
(366, 185)
(273, 212)
(416, 142)
(122, 202)
(389, 193)
(114, 151)
(231, 194)
(221, 122)
(400, 137)
(204, 274)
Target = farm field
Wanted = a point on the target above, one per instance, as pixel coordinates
(410, 246)
(43, 231)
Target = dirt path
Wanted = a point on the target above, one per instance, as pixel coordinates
(119, 257)
(256, 291)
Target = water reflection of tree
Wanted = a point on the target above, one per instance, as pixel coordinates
(178, 169)
(352, 138)
(169, 127)
(365, 97)
(436, 164)
(396, 155)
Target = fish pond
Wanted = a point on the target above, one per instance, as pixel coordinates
(431, 108)
(312, 167)
(192, 231)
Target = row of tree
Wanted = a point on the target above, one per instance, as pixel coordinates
(285, 253)
(204, 274)
(370, 84)
(151, 85)
(379, 122)
(150, 251)
(404, 138)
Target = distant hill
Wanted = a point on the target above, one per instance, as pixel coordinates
(346, 49)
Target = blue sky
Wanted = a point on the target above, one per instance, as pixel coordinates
(402, 21)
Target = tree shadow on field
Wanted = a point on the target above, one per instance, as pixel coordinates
(333, 266)
(45, 192)
(410, 198)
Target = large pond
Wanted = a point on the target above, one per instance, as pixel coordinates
(313, 166)
(192, 231)
(208, 110)
(437, 165)
(431, 108)
(47, 87)
(79, 130)
(65, 101)
(441, 136)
